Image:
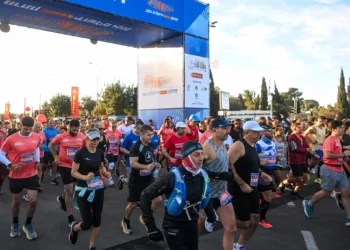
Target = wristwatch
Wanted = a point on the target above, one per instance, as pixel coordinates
(9, 165)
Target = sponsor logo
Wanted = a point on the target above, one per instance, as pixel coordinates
(57, 13)
(188, 87)
(19, 144)
(196, 88)
(22, 6)
(156, 82)
(197, 75)
(163, 7)
(163, 92)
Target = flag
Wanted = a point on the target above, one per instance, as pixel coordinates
(74, 102)
(7, 112)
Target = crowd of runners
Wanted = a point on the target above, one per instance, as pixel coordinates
(213, 171)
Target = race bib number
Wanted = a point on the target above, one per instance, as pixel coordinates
(28, 158)
(113, 140)
(96, 183)
(178, 155)
(254, 178)
(112, 147)
(225, 198)
(71, 152)
(145, 173)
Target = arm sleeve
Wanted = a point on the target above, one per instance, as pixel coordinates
(157, 188)
(3, 158)
(37, 155)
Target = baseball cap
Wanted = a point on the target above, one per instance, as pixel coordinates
(220, 123)
(180, 125)
(252, 125)
(93, 135)
(194, 118)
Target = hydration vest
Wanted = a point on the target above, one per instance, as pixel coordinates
(177, 199)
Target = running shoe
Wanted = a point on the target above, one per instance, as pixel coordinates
(208, 226)
(318, 180)
(296, 195)
(126, 227)
(92, 248)
(111, 182)
(277, 196)
(30, 233)
(235, 247)
(120, 182)
(15, 230)
(282, 187)
(347, 222)
(265, 224)
(73, 236)
(54, 182)
(25, 197)
(62, 202)
(337, 197)
(308, 210)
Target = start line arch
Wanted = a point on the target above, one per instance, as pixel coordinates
(172, 37)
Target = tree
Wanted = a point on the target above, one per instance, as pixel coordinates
(88, 104)
(214, 97)
(241, 101)
(309, 104)
(276, 97)
(99, 110)
(235, 104)
(257, 102)
(342, 102)
(263, 95)
(58, 106)
(248, 100)
(46, 109)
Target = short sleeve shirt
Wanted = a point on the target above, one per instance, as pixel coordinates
(174, 144)
(22, 150)
(114, 137)
(193, 136)
(128, 142)
(146, 156)
(333, 145)
(68, 146)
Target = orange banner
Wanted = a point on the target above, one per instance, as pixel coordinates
(7, 112)
(74, 102)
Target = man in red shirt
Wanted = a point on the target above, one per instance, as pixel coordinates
(332, 173)
(297, 156)
(192, 131)
(21, 154)
(208, 133)
(174, 145)
(69, 143)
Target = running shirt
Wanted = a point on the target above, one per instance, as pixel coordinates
(22, 150)
(155, 143)
(174, 145)
(2, 137)
(205, 136)
(50, 133)
(125, 130)
(333, 145)
(68, 146)
(114, 137)
(319, 137)
(267, 153)
(127, 143)
(193, 135)
(145, 155)
(165, 133)
(42, 141)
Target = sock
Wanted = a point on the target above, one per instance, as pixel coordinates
(29, 220)
(70, 218)
(126, 220)
(263, 209)
(91, 246)
(15, 220)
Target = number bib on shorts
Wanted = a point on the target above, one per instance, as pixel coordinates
(225, 198)
(254, 178)
(71, 152)
(96, 183)
(28, 158)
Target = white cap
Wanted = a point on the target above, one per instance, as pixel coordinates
(252, 125)
(180, 125)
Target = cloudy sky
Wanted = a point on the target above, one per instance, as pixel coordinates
(299, 43)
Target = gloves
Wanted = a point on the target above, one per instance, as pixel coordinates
(154, 234)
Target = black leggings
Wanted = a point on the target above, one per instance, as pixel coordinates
(182, 238)
(91, 218)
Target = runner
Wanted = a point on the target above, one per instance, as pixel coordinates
(192, 131)
(83, 128)
(21, 154)
(165, 131)
(69, 143)
(208, 133)
(41, 170)
(88, 167)
(180, 222)
(216, 160)
(126, 127)
(244, 163)
(174, 145)
(142, 163)
(332, 173)
(114, 138)
(127, 143)
(48, 161)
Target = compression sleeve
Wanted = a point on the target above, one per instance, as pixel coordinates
(37, 155)
(3, 158)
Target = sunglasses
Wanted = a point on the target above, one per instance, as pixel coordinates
(95, 139)
(114, 126)
(101, 128)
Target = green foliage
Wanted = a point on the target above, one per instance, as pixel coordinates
(99, 110)
(248, 100)
(276, 97)
(263, 95)
(214, 97)
(58, 106)
(236, 104)
(342, 100)
(87, 104)
(309, 104)
(257, 102)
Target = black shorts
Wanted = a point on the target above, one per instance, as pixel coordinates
(112, 158)
(263, 186)
(48, 157)
(17, 185)
(298, 169)
(246, 204)
(135, 190)
(66, 174)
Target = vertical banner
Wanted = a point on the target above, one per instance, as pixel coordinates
(7, 112)
(74, 102)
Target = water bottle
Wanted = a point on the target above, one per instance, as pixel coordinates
(156, 172)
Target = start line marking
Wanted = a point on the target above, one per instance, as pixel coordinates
(309, 240)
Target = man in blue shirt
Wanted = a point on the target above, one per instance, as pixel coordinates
(50, 132)
(155, 143)
(127, 143)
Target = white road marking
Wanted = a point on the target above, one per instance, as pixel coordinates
(309, 240)
(291, 204)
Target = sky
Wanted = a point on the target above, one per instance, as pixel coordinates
(301, 44)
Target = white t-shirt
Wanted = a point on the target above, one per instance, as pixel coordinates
(126, 129)
(229, 141)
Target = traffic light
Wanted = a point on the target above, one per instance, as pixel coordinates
(292, 110)
(133, 100)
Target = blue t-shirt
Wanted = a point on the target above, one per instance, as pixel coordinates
(128, 142)
(155, 141)
(50, 133)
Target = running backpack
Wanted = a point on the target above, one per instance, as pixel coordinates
(177, 199)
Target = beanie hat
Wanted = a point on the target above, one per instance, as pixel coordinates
(189, 147)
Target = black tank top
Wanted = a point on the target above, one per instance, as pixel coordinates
(103, 144)
(245, 166)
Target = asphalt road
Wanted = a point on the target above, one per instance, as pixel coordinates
(326, 228)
